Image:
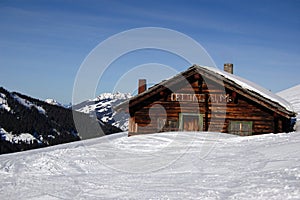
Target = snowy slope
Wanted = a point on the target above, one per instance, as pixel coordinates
(158, 166)
(102, 107)
(293, 96)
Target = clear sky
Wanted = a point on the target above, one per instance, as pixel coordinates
(43, 43)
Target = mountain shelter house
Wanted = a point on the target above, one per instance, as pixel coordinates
(207, 99)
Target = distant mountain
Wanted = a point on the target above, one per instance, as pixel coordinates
(27, 123)
(292, 95)
(53, 102)
(102, 108)
(56, 103)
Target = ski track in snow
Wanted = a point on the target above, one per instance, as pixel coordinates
(158, 166)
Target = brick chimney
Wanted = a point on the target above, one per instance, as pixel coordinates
(142, 86)
(228, 67)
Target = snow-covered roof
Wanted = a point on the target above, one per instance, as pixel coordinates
(250, 86)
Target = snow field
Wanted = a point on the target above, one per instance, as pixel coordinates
(158, 166)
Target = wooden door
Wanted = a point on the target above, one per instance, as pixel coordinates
(190, 122)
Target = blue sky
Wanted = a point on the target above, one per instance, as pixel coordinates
(43, 43)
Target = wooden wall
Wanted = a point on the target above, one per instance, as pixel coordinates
(217, 106)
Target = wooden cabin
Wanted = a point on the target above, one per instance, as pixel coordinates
(207, 99)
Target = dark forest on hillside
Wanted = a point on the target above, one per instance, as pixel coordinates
(55, 126)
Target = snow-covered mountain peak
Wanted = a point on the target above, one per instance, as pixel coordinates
(53, 102)
(102, 107)
(56, 103)
(113, 96)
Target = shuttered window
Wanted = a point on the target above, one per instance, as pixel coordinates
(240, 127)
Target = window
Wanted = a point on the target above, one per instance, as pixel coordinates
(240, 127)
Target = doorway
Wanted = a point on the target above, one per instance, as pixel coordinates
(190, 122)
